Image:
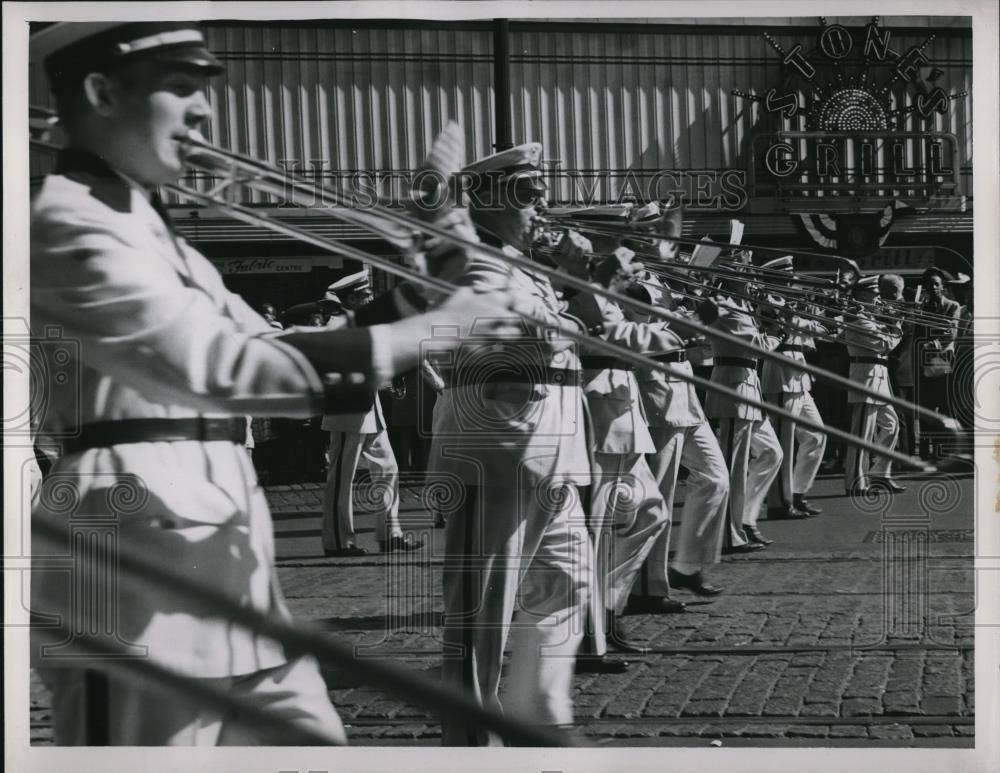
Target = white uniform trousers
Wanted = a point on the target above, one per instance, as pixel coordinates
(703, 516)
(518, 562)
(381, 492)
(628, 516)
(877, 423)
(754, 455)
(91, 708)
(802, 448)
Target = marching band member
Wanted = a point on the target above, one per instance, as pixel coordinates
(869, 342)
(681, 438)
(510, 427)
(790, 388)
(355, 437)
(170, 363)
(902, 364)
(832, 356)
(627, 511)
(744, 432)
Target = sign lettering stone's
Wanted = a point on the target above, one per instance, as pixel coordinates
(848, 126)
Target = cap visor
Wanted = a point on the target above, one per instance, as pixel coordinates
(194, 58)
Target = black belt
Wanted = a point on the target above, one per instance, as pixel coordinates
(669, 357)
(741, 362)
(870, 360)
(602, 362)
(553, 376)
(792, 348)
(112, 433)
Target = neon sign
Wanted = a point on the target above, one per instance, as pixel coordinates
(844, 106)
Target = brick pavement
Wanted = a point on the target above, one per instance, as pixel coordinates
(811, 640)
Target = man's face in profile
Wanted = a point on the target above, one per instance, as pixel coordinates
(150, 108)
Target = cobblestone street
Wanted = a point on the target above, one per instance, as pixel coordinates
(854, 627)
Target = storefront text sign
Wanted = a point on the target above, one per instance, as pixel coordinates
(267, 265)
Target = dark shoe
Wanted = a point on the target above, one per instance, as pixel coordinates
(857, 491)
(754, 535)
(599, 664)
(803, 504)
(351, 551)
(888, 483)
(793, 513)
(692, 582)
(616, 641)
(653, 605)
(749, 547)
(397, 544)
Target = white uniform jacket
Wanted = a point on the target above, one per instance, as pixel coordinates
(735, 319)
(870, 341)
(513, 412)
(611, 388)
(777, 378)
(152, 332)
(669, 400)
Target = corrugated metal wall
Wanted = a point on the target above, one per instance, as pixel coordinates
(613, 105)
(604, 102)
(346, 101)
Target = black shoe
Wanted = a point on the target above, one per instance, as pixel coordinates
(653, 605)
(398, 544)
(857, 491)
(692, 582)
(888, 483)
(351, 551)
(754, 535)
(793, 513)
(748, 547)
(599, 664)
(616, 641)
(803, 504)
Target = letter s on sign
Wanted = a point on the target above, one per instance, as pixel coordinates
(777, 162)
(787, 104)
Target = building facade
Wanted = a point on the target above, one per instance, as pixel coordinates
(811, 132)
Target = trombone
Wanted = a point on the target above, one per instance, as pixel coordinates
(407, 230)
(729, 268)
